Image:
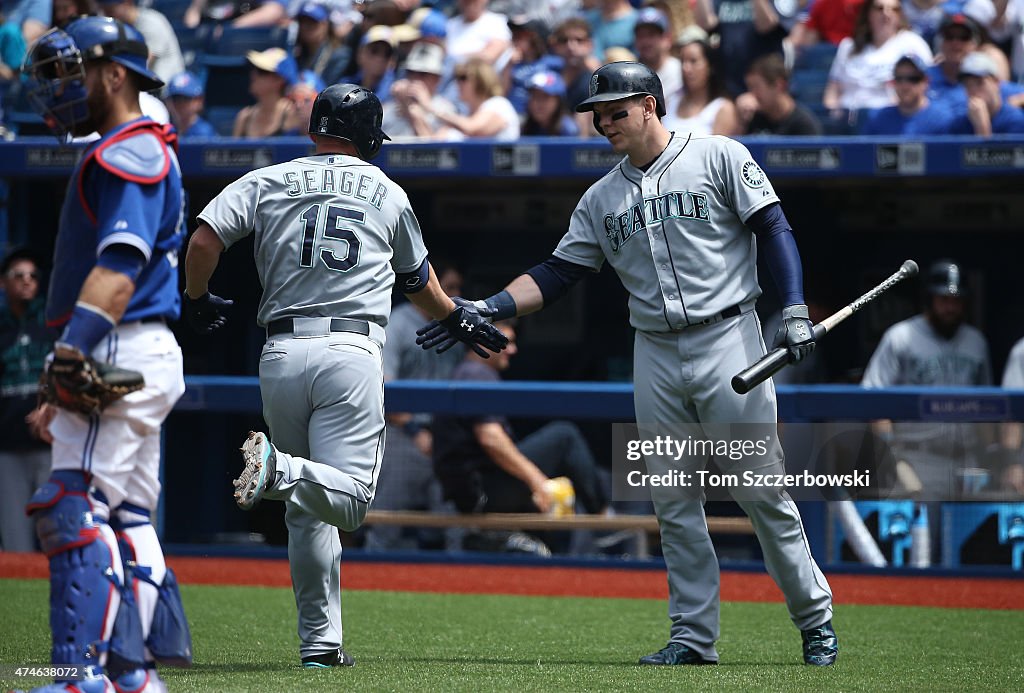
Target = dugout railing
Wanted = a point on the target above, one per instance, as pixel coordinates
(212, 396)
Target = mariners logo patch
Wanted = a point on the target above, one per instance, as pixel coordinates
(752, 174)
(593, 84)
(323, 124)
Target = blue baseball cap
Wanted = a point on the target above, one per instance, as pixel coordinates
(652, 16)
(276, 60)
(314, 11)
(185, 84)
(914, 60)
(547, 82)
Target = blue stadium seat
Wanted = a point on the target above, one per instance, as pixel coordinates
(193, 42)
(239, 41)
(815, 58)
(222, 118)
(174, 10)
(227, 80)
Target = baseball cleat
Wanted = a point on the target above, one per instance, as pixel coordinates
(674, 653)
(326, 660)
(260, 471)
(821, 647)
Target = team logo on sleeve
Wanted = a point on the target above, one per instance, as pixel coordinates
(752, 174)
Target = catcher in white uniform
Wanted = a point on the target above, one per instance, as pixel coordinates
(674, 219)
(332, 234)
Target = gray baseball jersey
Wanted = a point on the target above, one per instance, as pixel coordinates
(675, 233)
(676, 237)
(330, 233)
(1013, 376)
(912, 353)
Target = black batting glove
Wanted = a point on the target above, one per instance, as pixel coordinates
(464, 324)
(796, 333)
(206, 313)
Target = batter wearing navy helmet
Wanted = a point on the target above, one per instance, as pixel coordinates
(680, 219)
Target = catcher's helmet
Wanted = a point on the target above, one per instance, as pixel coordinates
(55, 65)
(945, 278)
(349, 112)
(621, 80)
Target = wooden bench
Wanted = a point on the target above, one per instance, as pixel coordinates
(641, 525)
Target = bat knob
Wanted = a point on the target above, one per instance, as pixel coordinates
(740, 386)
(909, 268)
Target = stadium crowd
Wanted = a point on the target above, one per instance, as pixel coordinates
(450, 70)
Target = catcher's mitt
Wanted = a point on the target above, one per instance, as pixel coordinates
(84, 385)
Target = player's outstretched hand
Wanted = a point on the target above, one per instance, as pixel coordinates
(464, 324)
(796, 333)
(206, 313)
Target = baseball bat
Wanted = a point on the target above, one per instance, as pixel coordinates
(774, 361)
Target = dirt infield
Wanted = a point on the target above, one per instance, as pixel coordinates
(974, 593)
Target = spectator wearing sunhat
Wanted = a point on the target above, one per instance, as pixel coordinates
(988, 113)
(316, 48)
(653, 45)
(547, 112)
(913, 113)
(184, 98)
(404, 118)
(375, 62)
(272, 72)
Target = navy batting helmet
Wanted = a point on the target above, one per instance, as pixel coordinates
(55, 65)
(349, 112)
(621, 80)
(945, 278)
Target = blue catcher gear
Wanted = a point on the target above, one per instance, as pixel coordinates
(169, 641)
(82, 581)
(55, 65)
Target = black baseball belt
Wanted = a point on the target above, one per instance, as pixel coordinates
(287, 326)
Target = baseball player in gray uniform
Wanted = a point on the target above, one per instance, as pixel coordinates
(672, 220)
(332, 236)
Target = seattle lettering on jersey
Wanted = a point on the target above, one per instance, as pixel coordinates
(330, 180)
(620, 227)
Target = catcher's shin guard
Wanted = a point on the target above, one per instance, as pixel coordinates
(84, 567)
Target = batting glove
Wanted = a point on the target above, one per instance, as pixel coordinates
(464, 324)
(206, 313)
(796, 332)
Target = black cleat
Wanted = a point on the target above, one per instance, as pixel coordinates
(326, 660)
(674, 653)
(821, 647)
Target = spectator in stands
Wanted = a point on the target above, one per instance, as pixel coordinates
(828, 20)
(529, 56)
(1012, 434)
(913, 113)
(934, 348)
(490, 113)
(12, 52)
(302, 94)
(316, 48)
(31, 17)
(653, 41)
(1008, 27)
(925, 16)
(747, 29)
(959, 36)
(476, 32)
(407, 480)
(66, 10)
(611, 25)
(547, 113)
(185, 104)
(483, 468)
(164, 52)
(273, 71)
(705, 107)
(777, 112)
(404, 118)
(375, 62)
(571, 42)
(24, 451)
(265, 13)
(988, 113)
(860, 73)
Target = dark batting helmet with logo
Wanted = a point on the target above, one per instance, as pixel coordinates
(349, 112)
(621, 80)
(945, 278)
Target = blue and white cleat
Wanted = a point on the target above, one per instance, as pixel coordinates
(260, 471)
(326, 660)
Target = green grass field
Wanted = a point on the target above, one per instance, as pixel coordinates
(244, 639)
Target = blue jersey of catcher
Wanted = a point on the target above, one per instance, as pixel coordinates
(125, 190)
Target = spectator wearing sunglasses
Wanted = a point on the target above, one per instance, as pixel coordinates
(914, 113)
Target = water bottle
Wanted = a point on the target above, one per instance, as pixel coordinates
(920, 540)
